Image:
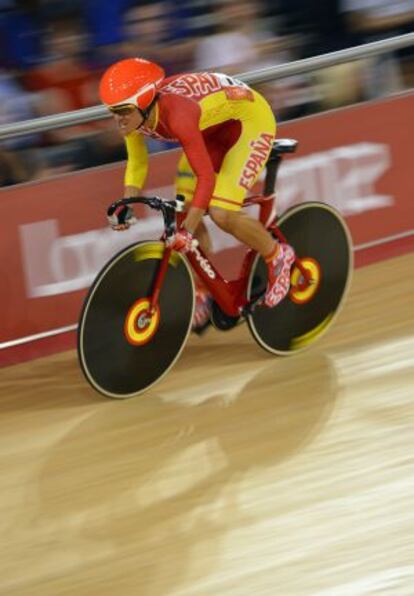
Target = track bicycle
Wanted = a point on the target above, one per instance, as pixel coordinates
(137, 315)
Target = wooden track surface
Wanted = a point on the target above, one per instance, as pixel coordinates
(239, 474)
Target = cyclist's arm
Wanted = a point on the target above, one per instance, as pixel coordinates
(137, 165)
(184, 121)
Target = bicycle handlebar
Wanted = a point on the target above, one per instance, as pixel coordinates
(153, 202)
(167, 208)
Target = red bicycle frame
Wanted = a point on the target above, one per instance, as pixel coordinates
(231, 296)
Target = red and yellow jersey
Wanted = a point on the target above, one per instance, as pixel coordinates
(190, 108)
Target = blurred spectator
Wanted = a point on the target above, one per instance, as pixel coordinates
(151, 31)
(377, 19)
(21, 34)
(317, 28)
(104, 22)
(243, 42)
(371, 20)
(19, 160)
(13, 169)
(234, 45)
(67, 83)
(341, 84)
(320, 26)
(64, 74)
(16, 104)
(192, 18)
(146, 28)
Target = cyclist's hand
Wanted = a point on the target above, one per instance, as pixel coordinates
(182, 241)
(122, 218)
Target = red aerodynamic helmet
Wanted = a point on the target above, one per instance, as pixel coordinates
(131, 81)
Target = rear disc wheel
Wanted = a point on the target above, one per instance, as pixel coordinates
(323, 244)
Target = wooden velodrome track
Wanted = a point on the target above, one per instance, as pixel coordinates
(239, 474)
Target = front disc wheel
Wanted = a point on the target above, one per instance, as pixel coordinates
(124, 345)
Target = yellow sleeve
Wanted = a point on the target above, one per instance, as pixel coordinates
(137, 165)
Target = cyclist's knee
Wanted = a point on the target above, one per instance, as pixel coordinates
(223, 218)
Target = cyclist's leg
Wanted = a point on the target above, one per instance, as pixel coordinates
(279, 258)
(247, 229)
(239, 170)
(238, 173)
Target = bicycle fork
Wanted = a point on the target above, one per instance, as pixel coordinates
(160, 275)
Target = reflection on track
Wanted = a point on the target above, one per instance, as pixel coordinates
(239, 472)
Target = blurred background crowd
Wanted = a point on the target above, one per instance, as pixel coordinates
(54, 51)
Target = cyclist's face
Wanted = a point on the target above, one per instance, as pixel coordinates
(128, 118)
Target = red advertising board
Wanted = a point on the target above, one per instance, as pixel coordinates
(54, 236)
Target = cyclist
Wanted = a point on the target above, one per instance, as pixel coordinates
(226, 130)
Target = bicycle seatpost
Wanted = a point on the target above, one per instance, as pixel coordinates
(272, 167)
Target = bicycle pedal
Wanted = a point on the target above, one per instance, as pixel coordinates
(201, 329)
(249, 308)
